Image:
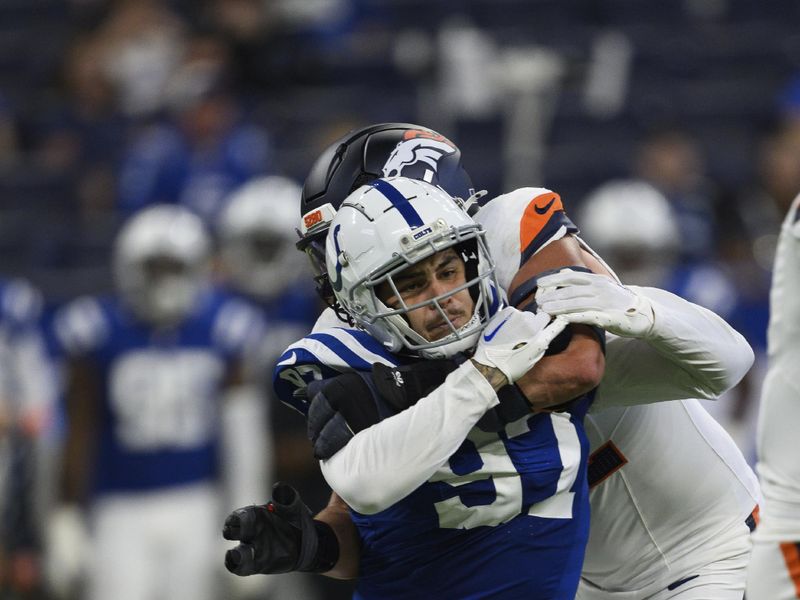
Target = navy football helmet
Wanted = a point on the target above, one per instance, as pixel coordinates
(361, 156)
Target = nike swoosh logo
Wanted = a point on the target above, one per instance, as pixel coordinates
(487, 337)
(540, 210)
(288, 361)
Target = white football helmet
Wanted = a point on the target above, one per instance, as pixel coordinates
(161, 262)
(632, 226)
(257, 237)
(383, 228)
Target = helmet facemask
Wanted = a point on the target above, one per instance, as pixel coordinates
(453, 332)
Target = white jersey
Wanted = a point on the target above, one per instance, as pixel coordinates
(779, 418)
(672, 481)
(774, 573)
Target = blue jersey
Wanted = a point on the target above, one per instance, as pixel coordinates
(287, 317)
(506, 517)
(159, 389)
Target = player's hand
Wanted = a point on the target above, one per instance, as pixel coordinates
(276, 537)
(596, 300)
(513, 341)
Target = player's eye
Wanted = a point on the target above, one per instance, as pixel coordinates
(410, 286)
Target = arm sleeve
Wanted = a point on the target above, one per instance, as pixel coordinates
(690, 353)
(386, 462)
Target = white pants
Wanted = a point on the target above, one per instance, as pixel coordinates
(723, 579)
(774, 571)
(156, 546)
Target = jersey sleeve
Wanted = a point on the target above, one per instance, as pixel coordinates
(519, 224)
(690, 353)
(323, 354)
(387, 461)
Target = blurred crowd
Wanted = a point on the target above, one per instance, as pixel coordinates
(151, 156)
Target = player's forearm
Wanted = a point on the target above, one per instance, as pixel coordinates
(386, 462)
(560, 378)
(337, 515)
(714, 354)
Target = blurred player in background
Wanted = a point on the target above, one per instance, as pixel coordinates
(27, 399)
(148, 371)
(257, 236)
(259, 263)
(633, 226)
(774, 572)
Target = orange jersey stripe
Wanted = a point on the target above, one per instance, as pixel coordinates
(536, 216)
(792, 557)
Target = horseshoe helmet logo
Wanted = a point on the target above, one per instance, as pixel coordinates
(417, 156)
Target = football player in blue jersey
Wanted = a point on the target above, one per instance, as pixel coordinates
(272, 535)
(148, 369)
(495, 500)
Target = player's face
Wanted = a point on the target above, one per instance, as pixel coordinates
(428, 279)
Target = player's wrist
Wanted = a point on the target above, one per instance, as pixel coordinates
(326, 554)
(496, 378)
(643, 313)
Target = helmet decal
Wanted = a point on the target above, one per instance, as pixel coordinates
(418, 151)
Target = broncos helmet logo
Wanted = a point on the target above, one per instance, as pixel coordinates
(418, 151)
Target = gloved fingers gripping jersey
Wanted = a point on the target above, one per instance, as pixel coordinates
(596, 300)
(527, 294)
(279, 537)
(341, 407)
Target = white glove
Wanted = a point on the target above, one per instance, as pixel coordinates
(67, 550)
(597, 300)
(513, 341)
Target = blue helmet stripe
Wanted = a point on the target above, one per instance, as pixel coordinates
(399, 201)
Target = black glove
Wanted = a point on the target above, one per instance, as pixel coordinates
(279, 537)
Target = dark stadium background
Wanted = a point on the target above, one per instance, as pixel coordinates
(566, 94)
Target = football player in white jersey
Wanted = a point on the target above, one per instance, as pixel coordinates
(683, 352)
(774, 572)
